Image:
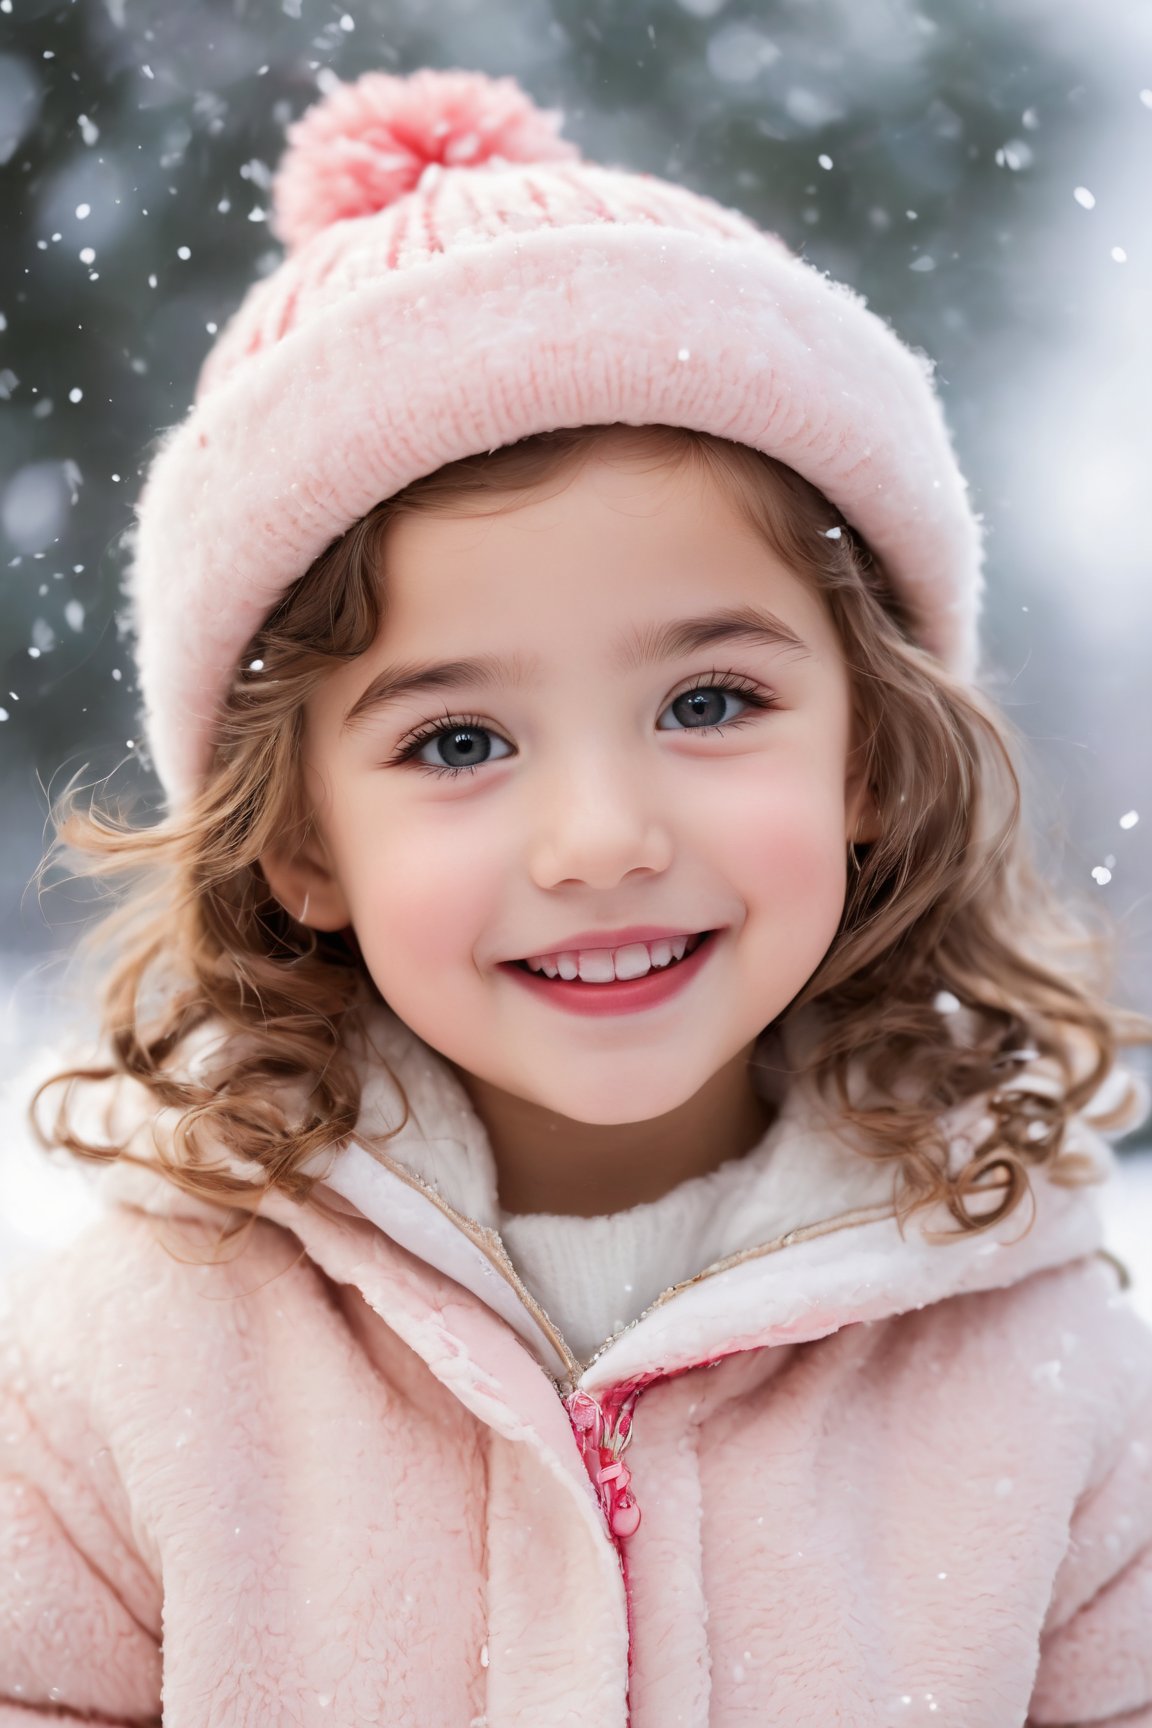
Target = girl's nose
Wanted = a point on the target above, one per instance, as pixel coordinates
(596, 825)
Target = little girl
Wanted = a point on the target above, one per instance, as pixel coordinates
(598, 1115)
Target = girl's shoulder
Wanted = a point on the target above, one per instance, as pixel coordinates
(1051, 1377)
(140, 1307)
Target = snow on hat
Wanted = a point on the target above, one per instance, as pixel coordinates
(458, 277)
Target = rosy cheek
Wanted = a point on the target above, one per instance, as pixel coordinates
(421, 902)
(787, 854)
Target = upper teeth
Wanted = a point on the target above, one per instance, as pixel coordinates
(604, 965)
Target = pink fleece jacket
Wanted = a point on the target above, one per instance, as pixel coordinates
(353, 1475)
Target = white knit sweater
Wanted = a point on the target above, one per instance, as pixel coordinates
(594, 1275)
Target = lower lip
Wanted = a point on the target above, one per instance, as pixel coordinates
(625, 996)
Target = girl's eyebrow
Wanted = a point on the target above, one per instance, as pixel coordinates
(644, 646)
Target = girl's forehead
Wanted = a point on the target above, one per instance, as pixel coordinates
(613, 544)
(602, 494)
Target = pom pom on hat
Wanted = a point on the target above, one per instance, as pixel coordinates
(368, 143)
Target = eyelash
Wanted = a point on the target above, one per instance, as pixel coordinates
(758, 700)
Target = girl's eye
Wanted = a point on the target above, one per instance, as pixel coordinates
(452, 746)
(702, 707)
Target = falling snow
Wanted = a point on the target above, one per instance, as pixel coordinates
(258, 172)
(737, 53)
(1016, 155)
(1049, 1374)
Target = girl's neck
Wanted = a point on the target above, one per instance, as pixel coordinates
(549, 1163)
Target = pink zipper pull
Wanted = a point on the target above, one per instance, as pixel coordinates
(624, 1516)
(601, 1443)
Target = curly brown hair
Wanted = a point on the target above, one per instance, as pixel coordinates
(945, 900)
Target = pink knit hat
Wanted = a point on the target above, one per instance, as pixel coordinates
(457, 278)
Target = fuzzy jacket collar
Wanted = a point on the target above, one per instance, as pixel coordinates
(428, 1191)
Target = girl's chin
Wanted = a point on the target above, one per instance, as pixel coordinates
(611, 1093)
(617, 1102)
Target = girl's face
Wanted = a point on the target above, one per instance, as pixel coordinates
(605, 760)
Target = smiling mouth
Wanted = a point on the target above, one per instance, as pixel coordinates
(600, 970)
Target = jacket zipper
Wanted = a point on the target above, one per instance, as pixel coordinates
(603, 1429)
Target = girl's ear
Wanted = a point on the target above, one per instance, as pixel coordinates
(306, 885)
(864, 823)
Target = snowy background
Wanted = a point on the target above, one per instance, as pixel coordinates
(980, 171)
